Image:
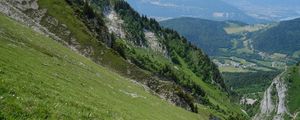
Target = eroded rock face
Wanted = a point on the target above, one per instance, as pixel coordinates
(270, 109)
(170, 95)
(30, 8)
(154, 43)
(8, 7)
(25, 4)
(29, 13)
(114, 23)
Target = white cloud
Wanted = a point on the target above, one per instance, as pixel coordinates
(159, 3)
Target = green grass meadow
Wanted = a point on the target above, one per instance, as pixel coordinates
(41, 79)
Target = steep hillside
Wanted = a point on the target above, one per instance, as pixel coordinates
(41, 79)
(272, 106)
(281, 99)
(246, 70)
(293, 83)
(171, 56)
(113, 35)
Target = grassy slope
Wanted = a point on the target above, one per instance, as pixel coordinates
(56, 6)
(65, 15)
(60, 10)
(293, 90)
(42, 79)
(215, 96)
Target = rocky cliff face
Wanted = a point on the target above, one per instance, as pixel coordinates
(16, 9)
(273, 104)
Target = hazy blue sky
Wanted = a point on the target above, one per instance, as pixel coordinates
(243, 10)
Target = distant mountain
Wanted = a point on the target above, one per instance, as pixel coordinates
(206, 34)
(207, 9)
(252, 43)
(283, 38)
